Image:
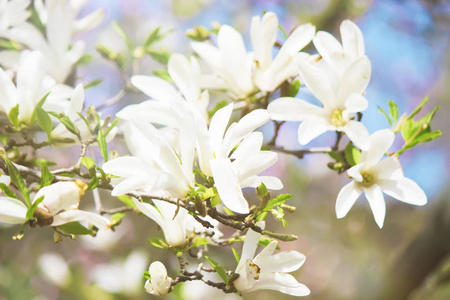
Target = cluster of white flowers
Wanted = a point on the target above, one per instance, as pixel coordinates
(190, 160)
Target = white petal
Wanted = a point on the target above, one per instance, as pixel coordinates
(263, 34)
(249, 248)
(152, 111)
(126, 166)
(380, 142)
(355, 172)
(388, 168)
(298, 39)
(352, 38)
(181, 73)
(218, 124)
(355, 79)
(210, 54)
(286, 262)
(89, 22)
(357, 133)
(291, 109)
(227, 185)
(12, 211)
(155, 87)
(150, 211)
(265, 255)
(254, 164)
(346, 198)
(76, 102)
(251, 144)
(318, 83)
(375, 197)
(60, 196)
(355, 103)
(131, 184)
(311, 128)
(271, 182)
(327, 45)
(405, 190)
(300, 290)
(76, 215)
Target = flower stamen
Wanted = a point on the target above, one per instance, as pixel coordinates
(337, 119)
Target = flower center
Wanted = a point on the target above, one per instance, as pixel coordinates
(254, 270)
(368, 179)
(337, 119)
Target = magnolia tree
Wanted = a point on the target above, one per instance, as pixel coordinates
(191, 156)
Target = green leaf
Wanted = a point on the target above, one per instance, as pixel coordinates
(261, 190)
(428, 136)
(13, 115)
(102, 145)
(393, 111)
(293, 88)
(39, 105)
(278, 200)
(407, 129)
(158, 243)
(159, 56)
(44, 122)
(219, 269)
(88, 162)
(125, 199)
(84, 60)
(283, 32)
(281, 237)
(336, 156)
(385, 114)
(14, 174)
(215, 201)
(198, 241)
(220, 104)
(352, 154)
(153, 37)
(7, 191)
(113, 124)
(236, 255)
(69, 125)
(123, 34)
(93, 183)
(418, 108)
(261, 216)
(147, 275)
(163, 74)
(9, 45)
(116, 218)
(75, 228)
(46, 176)
(263, 241)
(32, 208)
(93, 83)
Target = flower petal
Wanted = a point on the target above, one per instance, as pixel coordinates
(292, 109)
(218, 125)
(271, 182)
(405, 190)
(156, 88)
(355, 79)
(388, 168)
(75, 215)
(298, 39)
(12, 211)
(248, 249)
(346, 198)
(357, 133)
(380, 142)
(352, 38)
(311, 128)
(227, 185)
(263, 34)
(374, 195)
(184, 77)
(327, 45)
(285, 262)
(355, 103)
(254, 164)
(150, 211)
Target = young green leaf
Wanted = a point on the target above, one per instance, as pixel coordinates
(124, 35)
(44, 122)
(127, 201)
(385, 114)
(13, 115)
(75, 228)
(160, 56)
(7, 191)
(102, 145)
(219, 269)
(236, 255)
(116, 218)
(153, 37)
(278, 200)
(393, 111)
(220, 104)
(113, 124)
(46, 176)
(163, 74)
(293, 88)
(352, 154)
(32, 208)
(198, 241)
(418, 108)
(88, 162)
(84, 60)
(158, 243)
(93, 83)
(16, 178)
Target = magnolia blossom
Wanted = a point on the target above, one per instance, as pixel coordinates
(374, 175)
(13, 13)
(187, 78)
(60, 206)
(159, 283)
(266, 271)
(229, 61)
(30, 88)
(55, 269)
(270, 73)
(339, 99)
(338, 56)
(233, 156)
(59, 54)
(175, 228)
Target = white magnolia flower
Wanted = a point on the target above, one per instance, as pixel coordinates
(186, 76)
(176, 229)
(233, 156)
(340, 100)
(29, 89)
(155, 167)
(59, 54)
(60, 206)
(374, 175)
(159, 284)
(229, 61)
(270, 73)
(338, 56)
(13, 13)
(266, 271)
(55, 269)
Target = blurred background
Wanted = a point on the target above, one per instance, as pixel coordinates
(351, 258)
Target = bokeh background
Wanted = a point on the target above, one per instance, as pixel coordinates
(407, 43)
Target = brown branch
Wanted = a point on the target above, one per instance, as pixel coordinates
(299, 153)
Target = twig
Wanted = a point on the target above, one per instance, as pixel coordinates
(299, 153)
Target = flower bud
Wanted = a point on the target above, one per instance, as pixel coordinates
(159, 283)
